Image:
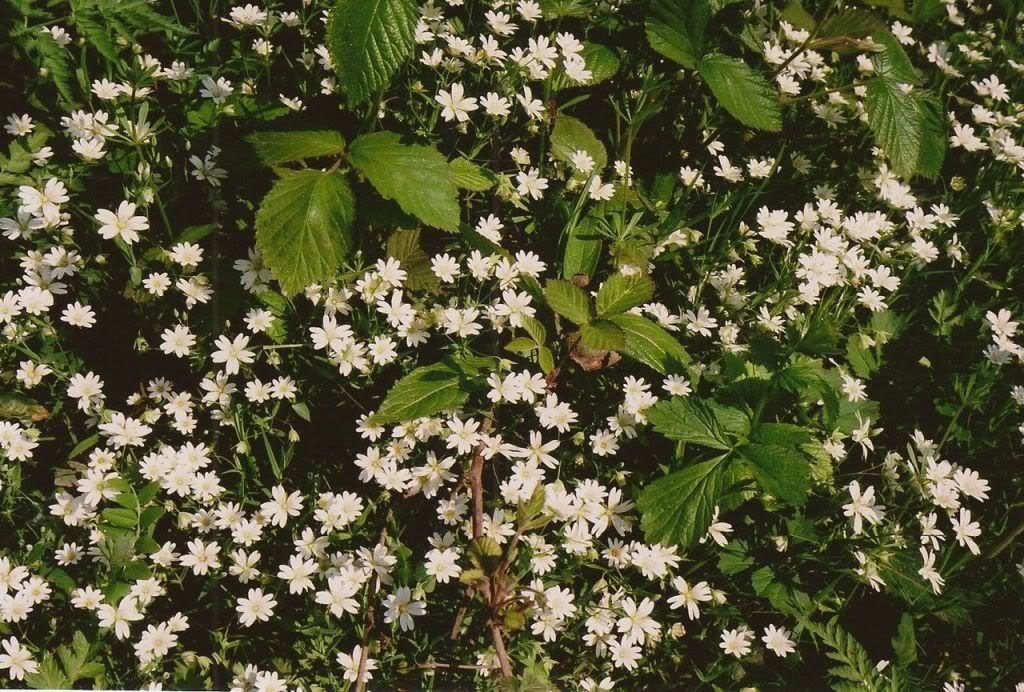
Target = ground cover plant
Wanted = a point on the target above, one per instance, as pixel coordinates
(512, 344)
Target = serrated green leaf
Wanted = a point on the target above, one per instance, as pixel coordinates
(853, 22)
(368, 40)
(568, 300)
(303, 227)
(417, 177)
(746, 94)
(781, 471)
(534, 328)
(908, 127)
(675, 28)
(55, 60)
(275, 148)
(905, 642)
(602, 61)
(582, 250)
(677, 509)
(860, 357)
(690, 420)
(795, 13)
(892, 62)
(620, 293)
(571, 134)
(404, 246)
(468, 176)
(602, 335)
(425, 391)
(651, 345)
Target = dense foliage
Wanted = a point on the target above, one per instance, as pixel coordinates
(518, 344)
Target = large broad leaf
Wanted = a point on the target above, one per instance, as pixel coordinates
(692, 420)
(404, 246)
(468, 176)
(781, 471)
(568, 300)
(909, 127)
(620, 293)
(303, 227)
(425, 391)
(650, 344)
(892, 62)
(274, 148)
(571, 134)
(368, 40)
(677, 509)
(602, 335)
(602, 61)
(675, 28)
(854, 22)
(415, 176)
(746, 94)
(582, 249)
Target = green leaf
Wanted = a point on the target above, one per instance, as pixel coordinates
(910, 128)
(781, 471)
(16, 405)
(534, 328)
(468, 176)
(746, 94)
(675, 28)
(404, 246)
(620, 293)
(602, 61)
(570, 134)
(650, 344)
(677, 509)
(860, 357)
(425, 391)
(785, 434)
(303, 227)
(121, 518)
(49, 676)
(582, 250)
(275, 148)
(602, 335)
(55, 60)
(854, 22)
(368, 40)
(895, 8)
(691, 420)
(892, 62)
(795, 14)
(568, 300)
(415, 176)
(905, 642)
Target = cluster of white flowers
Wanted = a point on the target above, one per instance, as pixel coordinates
(194, 473)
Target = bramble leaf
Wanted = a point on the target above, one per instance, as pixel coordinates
(303, 227)
(417, 177)
(275, 148)
(675, 28)
(677, 509)
(368, 40)
(746, 94)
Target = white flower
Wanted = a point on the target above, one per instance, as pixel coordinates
(17, 660)
(121, 224)
(456, 105)
(352, 663)
(257, 606)
(400, 606)
(862, 506)
(777, 639)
